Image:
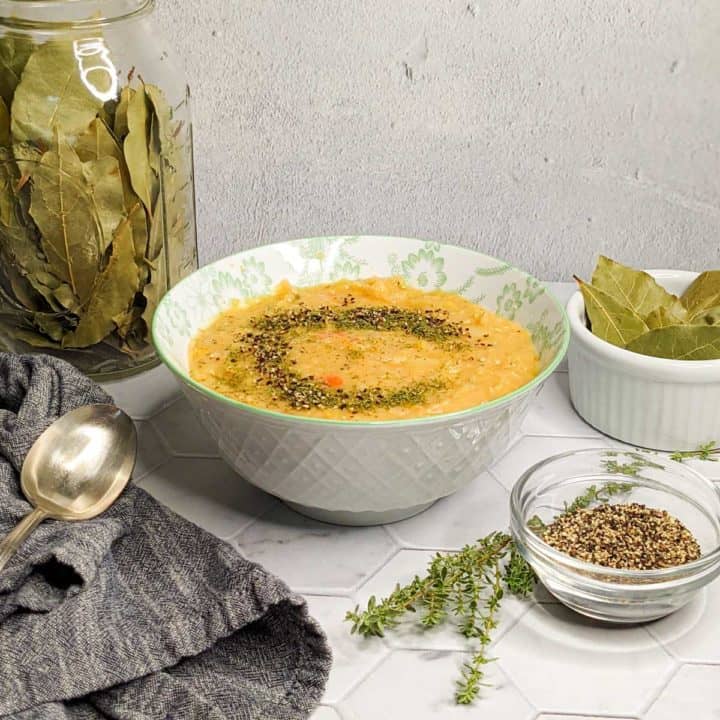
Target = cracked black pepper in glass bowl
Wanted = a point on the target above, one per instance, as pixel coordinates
(620, 477)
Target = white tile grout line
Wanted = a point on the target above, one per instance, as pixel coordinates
(394, 550)
(670, 675)
(565, 436)
(575, 716)
(532, 715)
(233, 538)
(161, 435)
(333, 707)
(321, 593)
(362, 678)
(661, 643)
(166, 442)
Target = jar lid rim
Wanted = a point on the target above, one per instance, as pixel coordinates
(11, 20)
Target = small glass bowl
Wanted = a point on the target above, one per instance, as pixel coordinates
(618, 596)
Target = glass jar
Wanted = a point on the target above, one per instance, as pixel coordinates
(97, 205)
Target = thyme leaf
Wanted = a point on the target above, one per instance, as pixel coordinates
(594, 495)
(708, 451)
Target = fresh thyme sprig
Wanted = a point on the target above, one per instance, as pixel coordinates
(596, 494)
(635, 462)
(592, 495)
(470, 584)
(709, 451)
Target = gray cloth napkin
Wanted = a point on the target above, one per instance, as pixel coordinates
(137, 614)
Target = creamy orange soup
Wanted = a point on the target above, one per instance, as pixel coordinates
(371, 349)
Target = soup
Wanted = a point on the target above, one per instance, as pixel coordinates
(371, 349)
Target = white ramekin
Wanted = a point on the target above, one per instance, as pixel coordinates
(645, 401)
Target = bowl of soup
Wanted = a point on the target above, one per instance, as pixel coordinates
(360, 378)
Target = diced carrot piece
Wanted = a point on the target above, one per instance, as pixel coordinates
(333, 381)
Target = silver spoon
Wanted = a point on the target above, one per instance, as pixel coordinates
(75, 470)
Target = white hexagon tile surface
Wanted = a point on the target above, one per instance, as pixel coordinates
(480, 508)
(553, 665)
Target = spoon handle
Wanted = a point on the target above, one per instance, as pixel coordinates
(12, 541)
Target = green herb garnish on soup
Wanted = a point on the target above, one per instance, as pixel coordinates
(371, 349)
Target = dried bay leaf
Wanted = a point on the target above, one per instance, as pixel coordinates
(85, 169)
(135, 147)
(22, 260)
(27, 157)
(98, 142)
(4, 125)
(8, 183)
(157, 254)
(662, 317)
(703, 293)
(51, 94)
(680, 342)
(24, 270)
(709, 317)
(34, 339)
(63, 214)
(112, 294)
(105, 188)
(174, 180)
(138, 225)
(154, 156)
(126, 320)
(609, 319)
(120, 125)
(163, 112)
(635, 289)
(154, 290)
(156, 239)
(21, 291)
(50, 325)
(14, 53)
(106, 113)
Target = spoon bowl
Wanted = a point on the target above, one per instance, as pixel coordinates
(75, 470)
(79, 466)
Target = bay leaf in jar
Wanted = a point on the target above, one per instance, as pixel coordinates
(112, 293)
(51, 94)
(4, 125)
(93, 223)
(136, 150)
(14, 53)
(104, 186)
(65, 219)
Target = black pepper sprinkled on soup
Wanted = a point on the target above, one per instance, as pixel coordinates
(371, 349)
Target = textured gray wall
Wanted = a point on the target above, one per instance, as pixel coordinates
(540, 131)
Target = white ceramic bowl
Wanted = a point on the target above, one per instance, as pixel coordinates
(359, 472)
(645, 401)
